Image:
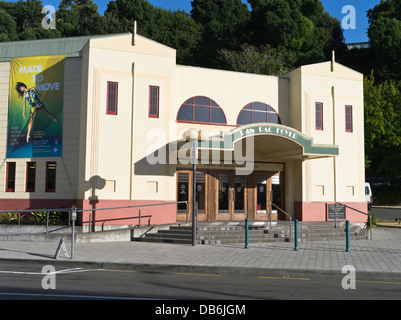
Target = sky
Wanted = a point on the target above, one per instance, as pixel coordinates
(355, 32)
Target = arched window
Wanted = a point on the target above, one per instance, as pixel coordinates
(201, 109)
(258, 112)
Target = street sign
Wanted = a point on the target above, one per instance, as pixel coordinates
(61, 246)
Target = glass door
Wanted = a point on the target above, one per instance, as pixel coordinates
(201, 195)
(224, 198)
(238, 198)
(183, 195)
(231, 196)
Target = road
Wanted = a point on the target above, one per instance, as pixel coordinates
(19, 282)
(386, 213)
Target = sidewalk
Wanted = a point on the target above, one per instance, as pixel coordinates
(380, 255)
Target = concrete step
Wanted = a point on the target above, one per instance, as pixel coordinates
(234, 232)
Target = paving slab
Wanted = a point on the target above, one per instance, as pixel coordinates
(380, 255)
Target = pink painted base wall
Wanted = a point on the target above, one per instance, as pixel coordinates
(317, 211)
(152, 215)
(25, 204)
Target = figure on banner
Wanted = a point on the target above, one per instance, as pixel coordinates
(35, 101)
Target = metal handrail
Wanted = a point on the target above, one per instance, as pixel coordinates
(289, 216)
(366, 214)
(38, 210)
(93, 209)
(136, 206)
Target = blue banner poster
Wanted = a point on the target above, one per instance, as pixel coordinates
(35, 109)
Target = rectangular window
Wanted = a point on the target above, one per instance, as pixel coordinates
(348, 118)
(112, 98)
(10, 177)
(319, 116)
(153, 102)
(30, 176)
(51, 176)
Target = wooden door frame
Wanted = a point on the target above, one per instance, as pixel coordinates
(201, 217)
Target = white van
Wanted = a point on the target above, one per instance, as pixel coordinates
(368, 195)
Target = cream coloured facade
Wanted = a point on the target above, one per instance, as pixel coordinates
(307, 153)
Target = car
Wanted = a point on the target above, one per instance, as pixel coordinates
(368, 195)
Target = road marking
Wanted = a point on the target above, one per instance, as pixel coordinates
(379, 282)
(74, 270)
(110, 270)
(73, 296)
(285, 278)
(199, 274)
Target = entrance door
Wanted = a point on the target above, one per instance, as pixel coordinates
(231, 196)
(185, 193)
(263, 196)
(238, 200)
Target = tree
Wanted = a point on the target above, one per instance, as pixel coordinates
(177, 30)
(133, 10)
(292, 27)
(77, 17)
(382, 127)
(262, 60)
(385, 38)
(172, 28)
(225, 25)
(8, 27)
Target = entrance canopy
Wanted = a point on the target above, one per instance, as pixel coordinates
(272, 142)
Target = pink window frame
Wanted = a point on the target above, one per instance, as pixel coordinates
(193, 104)
(47, 176)
(8, 177)
(350, 122)
(111, 99)
(27, 176)
(318, 117)
(153, 98)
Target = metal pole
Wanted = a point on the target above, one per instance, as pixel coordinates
(47, 222)
(194, 213)
(290, 229)
(186, 213)
(371, 227)
(139, 218)
(246, 234)
(347, 236)
(73, 218)
(296, 235)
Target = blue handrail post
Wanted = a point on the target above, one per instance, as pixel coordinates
(246, 234)
(296, 235)
(347, 249)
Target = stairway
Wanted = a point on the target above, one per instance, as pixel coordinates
(234, 232)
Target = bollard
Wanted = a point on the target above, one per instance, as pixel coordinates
(296, 235)
(246, 234)
(347, 249)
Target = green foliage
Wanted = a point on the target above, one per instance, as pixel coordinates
(386, 195)
(55, 217)
(371, 223)
(292, 26)
(385, 39)
(9, 218)
(225, 25)
(8, 27)
(40, 217)
(262, 60)
(382, 127)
